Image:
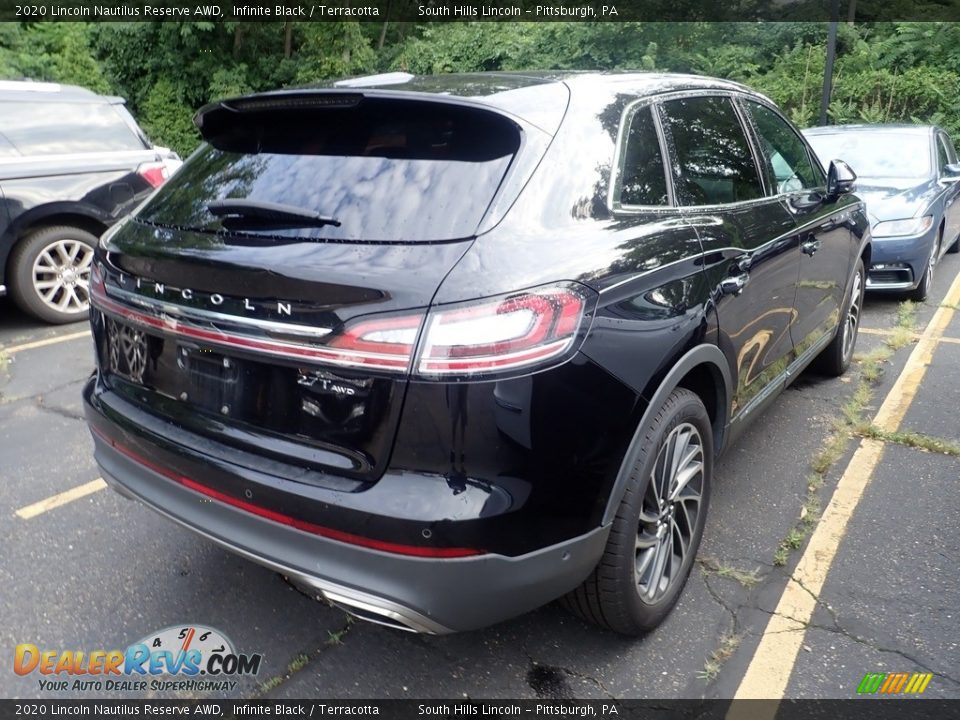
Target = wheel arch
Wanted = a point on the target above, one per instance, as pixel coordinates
(51, 215)
(702, 370)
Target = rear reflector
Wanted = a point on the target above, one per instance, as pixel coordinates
(283, 519)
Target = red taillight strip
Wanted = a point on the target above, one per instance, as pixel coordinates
(456, 365)
(168, 324)
(278, 517)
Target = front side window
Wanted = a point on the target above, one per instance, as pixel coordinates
(713, 164)
(943, 157)
(785, 153)
(643, 180)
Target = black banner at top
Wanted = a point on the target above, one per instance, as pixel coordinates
(472, 10)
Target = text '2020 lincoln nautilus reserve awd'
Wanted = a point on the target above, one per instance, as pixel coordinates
(445, 349)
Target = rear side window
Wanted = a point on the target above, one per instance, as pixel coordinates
(643, 181)
(57, 128)
(786, 155)
(386, 170)
(714, 165)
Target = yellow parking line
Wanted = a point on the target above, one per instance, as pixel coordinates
(773, 662)
(55, 501)
(43, 343)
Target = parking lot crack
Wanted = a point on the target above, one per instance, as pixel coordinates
(62, 412)
(840, 630)
(718, 598)
(302, 660)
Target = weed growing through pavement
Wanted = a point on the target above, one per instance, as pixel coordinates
(711, 668)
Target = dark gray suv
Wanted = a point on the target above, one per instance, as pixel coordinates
(71, 164)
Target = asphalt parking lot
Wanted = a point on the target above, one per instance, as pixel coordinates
(875, 590)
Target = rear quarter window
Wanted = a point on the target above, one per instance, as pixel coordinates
(61, 128)
(643, 180)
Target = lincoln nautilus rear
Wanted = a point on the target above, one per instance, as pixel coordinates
(445, 349)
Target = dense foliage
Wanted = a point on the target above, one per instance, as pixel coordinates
(884, 71)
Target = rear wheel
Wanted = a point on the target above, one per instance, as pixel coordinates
(658, 525)
(955, 248)
(50, 273)
(836, 357)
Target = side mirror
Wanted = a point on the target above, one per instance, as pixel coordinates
(951, 173)
(840, 179)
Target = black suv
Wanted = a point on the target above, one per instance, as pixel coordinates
(444, 349)
(71, 164)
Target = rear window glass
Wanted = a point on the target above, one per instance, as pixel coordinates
(56, 128)
(385, 170)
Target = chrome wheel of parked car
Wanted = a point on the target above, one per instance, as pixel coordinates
(51, 277)
(669, 513)
(926, 282)
(61, 275)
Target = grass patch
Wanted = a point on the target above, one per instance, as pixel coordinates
(907, 315)
(271, 684)
(911, 439)
(781, 556)
(871, 364)
(298, 663)
(728, 646)
(336, 638)
(711, 565)
(902, 334)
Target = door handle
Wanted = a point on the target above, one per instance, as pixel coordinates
(734, 284)
(810, 247)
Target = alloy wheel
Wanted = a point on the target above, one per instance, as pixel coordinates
(61, 275)
(668, 515)
(932, 265)
(853, 315)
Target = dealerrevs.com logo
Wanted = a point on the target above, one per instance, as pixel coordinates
(178, 658)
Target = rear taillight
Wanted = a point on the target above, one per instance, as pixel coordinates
(464, 340)
(516, 331)
(380, 343)
(154, 173)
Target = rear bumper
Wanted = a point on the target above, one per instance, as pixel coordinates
(431, 595)
(908, 257)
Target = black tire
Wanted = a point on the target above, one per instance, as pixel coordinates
(35, 283)
(955, 248)
(920, 293)
(836, 357)
(611, 596)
